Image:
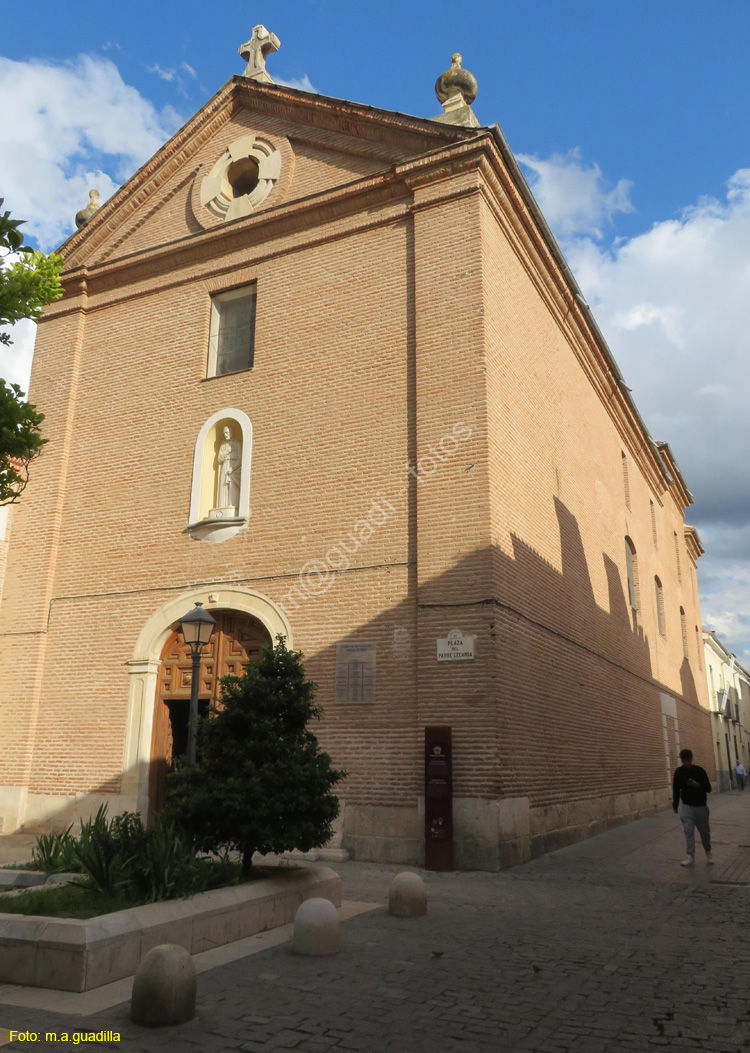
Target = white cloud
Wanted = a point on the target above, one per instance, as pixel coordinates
(174, 74)
(67, 128)
(165, 74)
(15, 361)
(673, 305)
(302, 83)
(575, 197)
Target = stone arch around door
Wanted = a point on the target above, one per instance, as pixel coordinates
(145, 664)
(236, 640)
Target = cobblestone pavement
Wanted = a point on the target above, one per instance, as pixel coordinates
(608, 945)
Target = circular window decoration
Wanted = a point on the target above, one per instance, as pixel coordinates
(242, 178)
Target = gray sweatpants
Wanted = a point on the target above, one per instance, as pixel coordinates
(692, 816)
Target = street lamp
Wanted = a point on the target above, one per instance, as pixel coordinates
(197, 627)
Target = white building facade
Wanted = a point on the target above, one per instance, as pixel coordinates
(729, 700)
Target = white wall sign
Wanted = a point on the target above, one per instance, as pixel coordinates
(455, 647)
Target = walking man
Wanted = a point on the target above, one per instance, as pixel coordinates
(739, 774)
(691, 783)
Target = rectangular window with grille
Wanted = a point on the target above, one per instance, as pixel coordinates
(232, 340)
(677, 557)
(626, 479)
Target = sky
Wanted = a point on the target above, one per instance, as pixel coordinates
(630, 120)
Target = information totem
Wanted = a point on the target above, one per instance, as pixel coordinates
(438, 799)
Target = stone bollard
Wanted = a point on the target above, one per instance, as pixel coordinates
(407, 896)
(164, 987)
(317, 929)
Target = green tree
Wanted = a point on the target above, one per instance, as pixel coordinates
(261, 782)
(26, 285)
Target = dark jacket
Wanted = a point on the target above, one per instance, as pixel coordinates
(693, 795)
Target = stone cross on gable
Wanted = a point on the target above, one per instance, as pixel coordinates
(254, 52)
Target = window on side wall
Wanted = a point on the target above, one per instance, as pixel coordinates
(660, 607)
(632, 572)
(677, 557)
(232, 340)
(626, 479)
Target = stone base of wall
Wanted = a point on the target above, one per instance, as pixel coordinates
(35, 813)
(559, 825)
(491, 834)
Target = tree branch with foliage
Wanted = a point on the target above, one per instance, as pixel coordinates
(261, 782)
(27, 284)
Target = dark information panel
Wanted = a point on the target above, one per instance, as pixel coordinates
(438, 799)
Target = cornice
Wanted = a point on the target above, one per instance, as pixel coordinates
(511, 209)
(296, 217)
(693, 542)
(343, 116)
(682, 496)
(473, 151)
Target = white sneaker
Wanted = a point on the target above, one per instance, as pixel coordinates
(689, 862)
(709, 858)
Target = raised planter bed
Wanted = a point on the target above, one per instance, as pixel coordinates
(72, 955)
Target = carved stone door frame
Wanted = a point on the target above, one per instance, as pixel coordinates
(144, 672)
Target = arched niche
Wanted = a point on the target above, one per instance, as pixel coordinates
(212, 517)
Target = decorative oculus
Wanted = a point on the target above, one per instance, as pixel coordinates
(242, 178)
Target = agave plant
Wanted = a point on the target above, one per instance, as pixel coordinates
(52, 851)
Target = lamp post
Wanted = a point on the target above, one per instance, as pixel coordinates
(197, 627)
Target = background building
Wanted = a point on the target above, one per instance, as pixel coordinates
(729, 699)
(324, 369)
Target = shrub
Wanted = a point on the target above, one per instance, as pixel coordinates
(261, 782)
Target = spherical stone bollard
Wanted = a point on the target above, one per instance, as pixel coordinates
(317, 929)
(407, 896)
(164, 987)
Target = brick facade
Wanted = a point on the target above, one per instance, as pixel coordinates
(410, 312)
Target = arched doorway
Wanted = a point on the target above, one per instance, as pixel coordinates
(237, 640)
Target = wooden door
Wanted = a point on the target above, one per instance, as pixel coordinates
(236, 640)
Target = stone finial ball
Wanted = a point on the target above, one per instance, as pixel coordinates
(164, 987)
(317, 929)
(456, 81)
(407, 896)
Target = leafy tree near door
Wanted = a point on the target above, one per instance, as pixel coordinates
(262, 782)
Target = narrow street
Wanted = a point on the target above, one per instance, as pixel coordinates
(607, 945)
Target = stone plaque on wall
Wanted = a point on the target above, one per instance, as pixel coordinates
(355, 672)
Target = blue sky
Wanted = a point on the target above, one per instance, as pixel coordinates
(657, 92)
(630, 119)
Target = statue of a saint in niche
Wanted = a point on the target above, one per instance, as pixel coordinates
(228, 481)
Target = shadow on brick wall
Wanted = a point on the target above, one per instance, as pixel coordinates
(559, 704)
